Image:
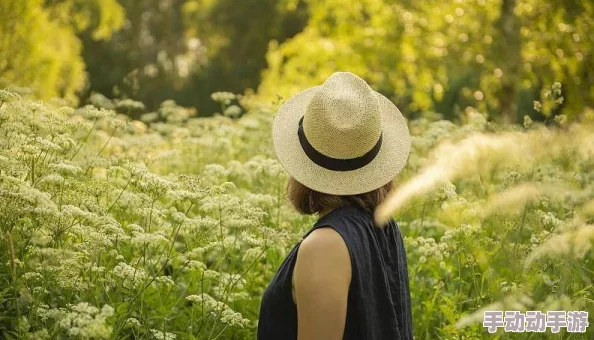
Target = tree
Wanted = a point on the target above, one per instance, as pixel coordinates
(495, 55)
(236, 37)
(149, 59)
(38, 43)
(187, 49)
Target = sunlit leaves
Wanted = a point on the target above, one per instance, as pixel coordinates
(442, 57)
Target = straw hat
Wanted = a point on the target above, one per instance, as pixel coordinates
(341, 137)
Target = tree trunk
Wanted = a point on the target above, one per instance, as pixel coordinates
(511, 51)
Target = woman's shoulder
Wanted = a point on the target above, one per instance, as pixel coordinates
(322, 240)
(323, 256)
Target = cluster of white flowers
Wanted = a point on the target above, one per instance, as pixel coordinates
(463, 232)
(199, 224)
(129, 105)
(210, 304)
(97, 210)
(511, 287)
(32, 276)
(253, 254)
(428, 247)
(52, 179)
(220, 203)
(223, 97)
(194, 265)
(46, 145)
(80, 321)
(233, 318)
(261, 200)
(165, 281)
(153, 185)
(153, 240)
(8, 96)
(252, 240)
(160, 335)
(130, 277)
(548, 219)
(186, 195)
(445, 191)
(230, 280)
(66, 169)
(205, 299)
(93, 112)
(210, 274)
(215, 172)
(538, 238)
(133, 322)
(232, 111)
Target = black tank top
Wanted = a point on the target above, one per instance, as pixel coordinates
(378, 306)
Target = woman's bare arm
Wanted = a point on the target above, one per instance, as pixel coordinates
(321, 279)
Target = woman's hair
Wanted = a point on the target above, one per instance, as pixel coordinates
(308, 201)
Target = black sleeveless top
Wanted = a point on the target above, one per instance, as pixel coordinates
(378, 306)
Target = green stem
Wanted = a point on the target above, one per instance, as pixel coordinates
(84, 140)
(61, 194)
(109, 139)
(230, 287)
(120, 195)
(32, 171)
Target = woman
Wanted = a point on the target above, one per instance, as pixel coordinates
(342, 143)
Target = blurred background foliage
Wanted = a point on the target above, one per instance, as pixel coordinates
(493, 55)
(40, 46)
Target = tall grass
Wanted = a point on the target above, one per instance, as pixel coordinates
(172, 226)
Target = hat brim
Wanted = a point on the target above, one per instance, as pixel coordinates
(390, 160)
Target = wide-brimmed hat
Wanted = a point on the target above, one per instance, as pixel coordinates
(341, 137)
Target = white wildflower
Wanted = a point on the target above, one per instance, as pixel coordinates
(165, 281)
(232, 111)
(159, 335)
(131, 277)
(233, 318)
(133, 322)
(92, 112)
(194, 265)
(223, 97)
(129, 105)
(527, 121)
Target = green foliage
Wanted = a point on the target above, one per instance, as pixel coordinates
(444, 57)
(151, 49)
(38, 43)
(100, 17)
(186, 49)
(95, 245)
(236, 36)
(494, 55)
(171, 227)
(39, 51)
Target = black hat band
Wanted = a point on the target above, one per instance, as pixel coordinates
(336, 164)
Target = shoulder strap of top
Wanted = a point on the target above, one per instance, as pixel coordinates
(332, 215)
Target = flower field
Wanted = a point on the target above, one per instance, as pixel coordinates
(171, 226)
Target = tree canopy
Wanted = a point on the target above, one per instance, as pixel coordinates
(39, 47)
(495, 55)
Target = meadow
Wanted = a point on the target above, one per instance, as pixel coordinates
(171, 226)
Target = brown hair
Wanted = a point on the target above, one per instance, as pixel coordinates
(308, 201)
